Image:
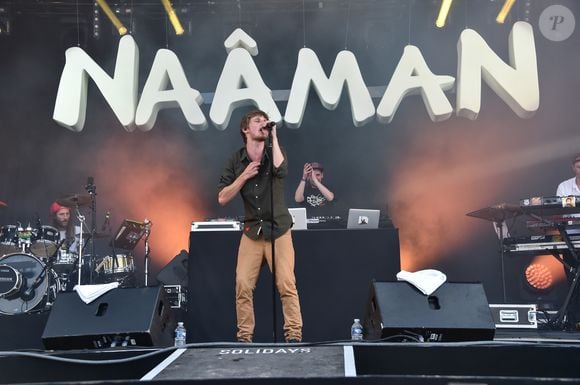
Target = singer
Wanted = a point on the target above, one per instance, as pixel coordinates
(248, 172)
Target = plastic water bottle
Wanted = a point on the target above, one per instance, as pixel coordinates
(180, 334)
(356, 331)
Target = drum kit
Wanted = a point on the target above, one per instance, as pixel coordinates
(36, 263)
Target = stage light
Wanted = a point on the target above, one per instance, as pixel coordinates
(114, 19)
(505, 10)
(173, 17)
(539, 276)
(443, 12)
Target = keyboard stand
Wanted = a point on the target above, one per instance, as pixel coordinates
(562, 315)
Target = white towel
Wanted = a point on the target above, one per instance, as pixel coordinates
(427, 281)
(89, 293)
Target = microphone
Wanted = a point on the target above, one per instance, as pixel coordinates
(90, 186)
(148, 225)
(269, 126)
(106, 222)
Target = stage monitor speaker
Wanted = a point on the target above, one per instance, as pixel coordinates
(454, 312)
(120, 317)
(175, 272)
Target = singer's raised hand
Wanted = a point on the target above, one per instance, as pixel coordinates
(251, 170)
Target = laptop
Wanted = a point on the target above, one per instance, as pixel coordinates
(363, 219)
(298, 218)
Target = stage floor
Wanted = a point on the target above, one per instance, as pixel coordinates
(514, 356)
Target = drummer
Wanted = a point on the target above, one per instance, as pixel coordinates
(60, 218)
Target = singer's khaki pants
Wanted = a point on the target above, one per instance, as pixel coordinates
(251, 255)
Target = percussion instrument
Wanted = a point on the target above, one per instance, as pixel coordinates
(45, 242)
(26, 284)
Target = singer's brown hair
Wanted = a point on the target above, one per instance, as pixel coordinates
(246, 121)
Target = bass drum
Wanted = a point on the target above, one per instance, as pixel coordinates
(25, 285)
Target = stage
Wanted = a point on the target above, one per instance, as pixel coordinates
(512, 357)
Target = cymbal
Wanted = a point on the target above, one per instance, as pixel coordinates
(497, 213)
(97, 235)
(75, 200)
(3, 204)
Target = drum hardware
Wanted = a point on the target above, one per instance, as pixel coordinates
(75, 200)
(10, 281)
(148, 225)
(8, 240)
(25, 236)
(81, 219)
(45, 241)
(92, 190)
(27, 284)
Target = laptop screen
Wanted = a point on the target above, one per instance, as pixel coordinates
(363, 219)
(298, 218)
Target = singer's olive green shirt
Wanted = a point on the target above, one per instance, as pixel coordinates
(256, 195)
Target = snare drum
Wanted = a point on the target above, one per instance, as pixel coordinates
(45, 242)
(121, 264)
(8, 239)
(65, 262)
(18, 291)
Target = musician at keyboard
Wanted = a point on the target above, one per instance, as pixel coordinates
(571, 186)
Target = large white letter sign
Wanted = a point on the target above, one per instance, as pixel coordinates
(413, 76)
(155, 96)
(517, 86)
(120, 91)
(345, 71)
(239, 71)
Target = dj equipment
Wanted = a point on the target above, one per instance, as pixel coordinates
(550, 202)
(545, 243)
(120, 317)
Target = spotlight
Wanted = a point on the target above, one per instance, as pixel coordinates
(539, 276)
(173, 17)
(443, 12)
(507, 6)
(111, 15)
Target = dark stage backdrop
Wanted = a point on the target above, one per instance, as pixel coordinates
(426, 175)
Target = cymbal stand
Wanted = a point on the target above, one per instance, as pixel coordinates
(561, 317)
(499, 227)
(81, 219)
(147, 223)
(92, 190)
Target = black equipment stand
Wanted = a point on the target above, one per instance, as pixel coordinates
(270, 153)
(498, 214)
(92, 190)
(147, 223)
(573, 267)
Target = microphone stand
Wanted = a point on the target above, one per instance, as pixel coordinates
(81, 219)
(147, 250)
(92, 190)
(270, 152)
